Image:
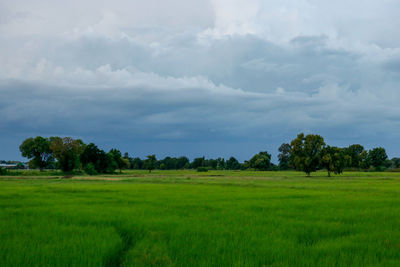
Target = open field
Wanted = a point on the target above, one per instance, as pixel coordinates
(186, 218)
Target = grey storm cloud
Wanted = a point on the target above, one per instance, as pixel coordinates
(214, 78)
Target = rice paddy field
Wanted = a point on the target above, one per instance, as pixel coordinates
(186, 218)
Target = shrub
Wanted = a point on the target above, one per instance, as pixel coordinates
(3, 171)
(90, 169)
(202, 169)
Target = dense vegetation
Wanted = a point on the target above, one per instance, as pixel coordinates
(307, 153)
(187, 218)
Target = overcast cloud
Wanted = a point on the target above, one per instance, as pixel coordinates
(197, 77)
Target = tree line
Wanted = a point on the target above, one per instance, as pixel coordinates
(310, 153)
(307, 153)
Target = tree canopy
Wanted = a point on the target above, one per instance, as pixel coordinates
(67, 151)
(306, 151)
(38, 150)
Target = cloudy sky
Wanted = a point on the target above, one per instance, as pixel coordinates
(200, 77)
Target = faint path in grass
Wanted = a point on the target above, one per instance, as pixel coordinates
(128, 241)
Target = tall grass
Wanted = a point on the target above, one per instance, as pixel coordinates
(183, 218)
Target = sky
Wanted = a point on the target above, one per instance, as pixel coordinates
(213, 78)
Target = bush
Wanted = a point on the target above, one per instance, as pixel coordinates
(202, 169)
(90, 169)
(380, 168)
(3, 171)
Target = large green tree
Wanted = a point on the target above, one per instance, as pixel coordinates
(100, 160)
(261, 161)
(182, 163)
(198, 162)
(377, 157)
(355, 153)
(306, 152)
(232, 164)
(67, 151)
(91, 155)
(334, 159)
(116, 156)
(38, 151)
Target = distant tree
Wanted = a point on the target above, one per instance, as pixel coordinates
(3, 171)
(137, 163)
(221, 164)
(116, 156)
(38, 151)
(127, 160)
(90, 169)
(305, 153)
(246, 165)
(388, 163)
(170, 163)
(91, 155)
(334, 159)
(67, 151)
(182, 163)
(261, 161)
(102, 162)
(107, 163)
(232, 164)
(211, 163)
(395, 162)
(198, 162)
(284, 156)
(354, 152)
(377, 157)
(150, 162)
(364, 160)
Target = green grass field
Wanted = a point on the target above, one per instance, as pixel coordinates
(186, 218)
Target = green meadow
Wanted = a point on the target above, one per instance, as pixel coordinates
(187, 218)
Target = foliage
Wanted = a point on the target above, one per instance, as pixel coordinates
(221, 164)
(136, 163)
(284, 156)
(38, 151)
(150, 162)
(260, 161)
(94, 156)
(90, 169)
(172, 163)
(198, 162)
(377, 157)
(305, 153)
(202, 169)
(116, 157)
(334, 159)
(3, 171)
(364, 160)
(232, 164)
(67, 152)
(355, 152)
